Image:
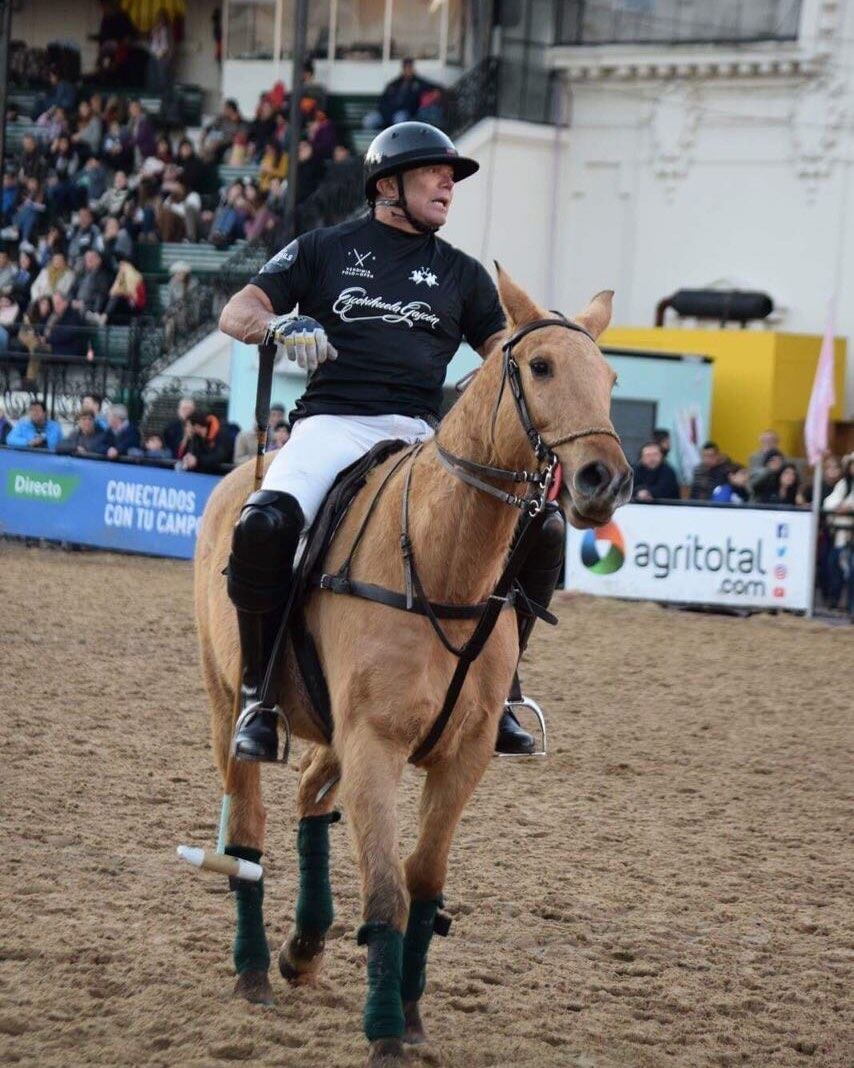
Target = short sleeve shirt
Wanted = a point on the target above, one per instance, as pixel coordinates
(395, 306)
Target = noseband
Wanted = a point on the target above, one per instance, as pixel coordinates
(468, 471)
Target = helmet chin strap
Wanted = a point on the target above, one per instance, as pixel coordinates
(400, 202)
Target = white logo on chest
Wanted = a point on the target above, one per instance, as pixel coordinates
(353, 305)
(425, 275)
(356, 264)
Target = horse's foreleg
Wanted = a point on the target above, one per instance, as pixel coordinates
(446, 793)
(301, 955)
(371, 770)
(245, 835)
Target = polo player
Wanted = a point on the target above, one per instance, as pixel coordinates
(383, 306)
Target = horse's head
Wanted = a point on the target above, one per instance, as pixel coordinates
(566, 384)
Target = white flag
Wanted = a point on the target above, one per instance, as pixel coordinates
(822, 398)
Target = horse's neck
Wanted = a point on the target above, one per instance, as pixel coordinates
(461, 535)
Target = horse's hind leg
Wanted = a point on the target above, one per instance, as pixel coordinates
(371, 770)
(301, 955)
(446, 793)
(245, 835)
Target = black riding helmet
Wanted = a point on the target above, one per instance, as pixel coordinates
(407, 145)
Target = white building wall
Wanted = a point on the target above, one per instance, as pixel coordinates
(682, 168)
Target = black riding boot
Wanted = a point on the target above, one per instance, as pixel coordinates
(260, 571)
(538, 577)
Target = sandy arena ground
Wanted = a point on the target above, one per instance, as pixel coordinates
(671, 887)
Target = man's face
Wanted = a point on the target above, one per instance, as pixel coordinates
(775, 463)
(710, 457)
(429, 192)
(115, 421)
(651, 456)
(92, 260)
(37, 414)
(59, 303)
(408, 70)
(85, 423)
(185, 409)
(85, 218)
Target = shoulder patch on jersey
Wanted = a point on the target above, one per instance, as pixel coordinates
(284, 260)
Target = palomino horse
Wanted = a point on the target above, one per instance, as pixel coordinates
(387, 672)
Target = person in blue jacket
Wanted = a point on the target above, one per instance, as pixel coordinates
(35, 431)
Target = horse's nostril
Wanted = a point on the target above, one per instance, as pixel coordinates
(592, 479)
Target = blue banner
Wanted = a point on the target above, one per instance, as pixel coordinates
(125, 507)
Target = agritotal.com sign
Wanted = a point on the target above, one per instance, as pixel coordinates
(744, 557)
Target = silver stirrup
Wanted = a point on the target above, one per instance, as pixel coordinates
(537, 713)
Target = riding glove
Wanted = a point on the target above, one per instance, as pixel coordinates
(303, 339)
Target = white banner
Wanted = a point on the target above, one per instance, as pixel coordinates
(735, 556)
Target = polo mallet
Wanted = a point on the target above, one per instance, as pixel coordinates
(220, 861)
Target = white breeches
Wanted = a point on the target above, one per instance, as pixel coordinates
(322, 445)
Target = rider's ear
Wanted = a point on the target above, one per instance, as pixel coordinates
(518, 306)
(597, 315)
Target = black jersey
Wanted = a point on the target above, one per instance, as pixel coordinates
(396, 307)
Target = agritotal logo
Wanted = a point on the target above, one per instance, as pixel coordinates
(603, 550)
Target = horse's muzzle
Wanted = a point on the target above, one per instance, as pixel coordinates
(597, 491)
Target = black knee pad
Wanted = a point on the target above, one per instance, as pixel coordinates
(263, 545)
(540, 572)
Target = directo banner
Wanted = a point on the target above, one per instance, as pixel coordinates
(685, 554)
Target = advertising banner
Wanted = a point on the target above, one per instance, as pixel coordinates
(118, 506)
(688, 554)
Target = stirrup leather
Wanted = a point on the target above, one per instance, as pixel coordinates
(531, 705)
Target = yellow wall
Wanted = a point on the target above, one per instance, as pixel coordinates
(760, 380)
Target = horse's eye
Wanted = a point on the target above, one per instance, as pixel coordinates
(540, 368)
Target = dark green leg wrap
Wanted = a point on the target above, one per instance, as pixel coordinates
(383, 1016)
(251, 952)
(314, 905)
(416, 945)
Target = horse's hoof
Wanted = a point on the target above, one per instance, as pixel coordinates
(300, 957)
(413, 1034)
(255, 987)
(386, 1053)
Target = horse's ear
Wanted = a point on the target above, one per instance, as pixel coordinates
(597, 315)
(517, 305)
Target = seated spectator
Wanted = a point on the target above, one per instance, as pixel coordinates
(217, 137)
(118, 244)
(8, 270)
(322, 136)
(712, 471)
(65, 333)
(229, 222)
(35, 431)
(173, 433)
(838, 509)
(25, 275)
(52, 124)
(196, 175)
(155, 449)
(736, 489)
(9, 198)
(56, 277)
(31, 162)
(246, 442)
(91, 289)
(179, 215)
(655, 480)
(49, 243)
(281, 433)
(6, 425)
(113, 200)
(93, 402)
(309, 171)
(116, 148)
(769, 444)
(274, 165)
(61, 94)
(778, 485)
(10, 313)
(126, 298)
(401, 99)
(122, 436)
(661, 436)
(310, 89)
(203, 448)
(262, 127)
(83, 235)
(92, 181)
(181, 282)
(64, 161)
(31, 215)
(86, 439)
(89, 129)
(238, 153)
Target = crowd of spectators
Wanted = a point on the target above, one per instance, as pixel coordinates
(407, 97)
(195, 440)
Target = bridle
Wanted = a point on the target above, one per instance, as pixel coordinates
(468, 471)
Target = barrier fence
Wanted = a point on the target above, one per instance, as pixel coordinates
(705, 554)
